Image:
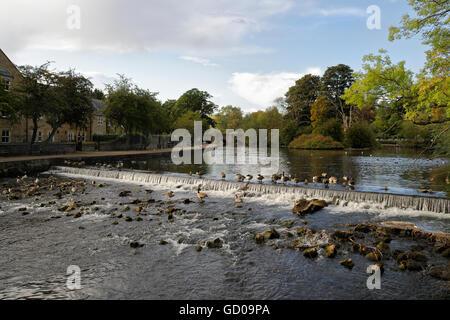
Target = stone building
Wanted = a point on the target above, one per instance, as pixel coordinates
(21, 132)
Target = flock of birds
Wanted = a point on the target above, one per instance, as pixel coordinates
(283, 178)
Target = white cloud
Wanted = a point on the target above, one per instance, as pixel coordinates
(202, 61)
(348, 11)
(262, 89)
(99, 79)
(124, 26)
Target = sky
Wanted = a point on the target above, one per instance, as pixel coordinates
(245, 53)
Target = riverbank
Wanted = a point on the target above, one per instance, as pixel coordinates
(17, 166)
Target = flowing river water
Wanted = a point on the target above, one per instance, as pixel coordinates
(39, 240)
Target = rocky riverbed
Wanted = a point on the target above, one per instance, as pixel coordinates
(162, 242)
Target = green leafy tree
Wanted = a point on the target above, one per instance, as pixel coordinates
(72, 92)
(359, 135)
(300, 98)
(271, 118)
(34, 96)
(330, 128)
(6, 104)
(380, 83)
(229, 117)
(98, 94)
(133, 109)
(197, 101)
(431, 22)
(187, 121)
(170, 114)
(334, 82)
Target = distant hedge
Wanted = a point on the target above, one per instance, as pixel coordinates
(315, 141)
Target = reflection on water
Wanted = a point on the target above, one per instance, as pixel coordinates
(400, 170)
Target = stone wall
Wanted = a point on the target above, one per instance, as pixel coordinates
(10, 150)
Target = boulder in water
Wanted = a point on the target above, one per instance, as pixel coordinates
(303, 207)
(330, 251)
(271, 234)
(303, 231)
(348, 263)
(124, 193)
(310, 253)
(136, 244)
(413, 265)
(342, 235)
(417, 256)
(441, 273)
(372, 256)
(215, 244)
(259, 238)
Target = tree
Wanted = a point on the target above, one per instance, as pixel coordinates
(300, 98)
(229, 117)
(169, 110)
(72, 92)
(432, 88)
(98, 94)
(197, 101)
(271, 118)
(34, 95)
(187, 121)
(133, 109)
(334, 82)
(320, 111)
(381, 83)
(6, 104)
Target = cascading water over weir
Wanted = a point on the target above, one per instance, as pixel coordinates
(420, 203)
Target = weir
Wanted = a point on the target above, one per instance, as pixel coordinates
(420, 203)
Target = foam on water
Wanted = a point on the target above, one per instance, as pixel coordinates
(278, 193)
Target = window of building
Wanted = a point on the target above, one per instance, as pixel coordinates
(7, 84)
(39, 136)
(100, 121)
(6, 136)
(70, 136)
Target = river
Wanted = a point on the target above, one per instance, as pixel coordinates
(39, 246)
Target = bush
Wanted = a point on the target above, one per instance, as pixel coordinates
(416, 136)
(359, 135)
(315, 141)
(105, 137)
(290, 129)
(331, 128)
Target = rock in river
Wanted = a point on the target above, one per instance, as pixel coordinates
(135, 244)
(216, 244)
(303, 207)
(271, 234)
(348, 263)
(310, 253)
(330, 251)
